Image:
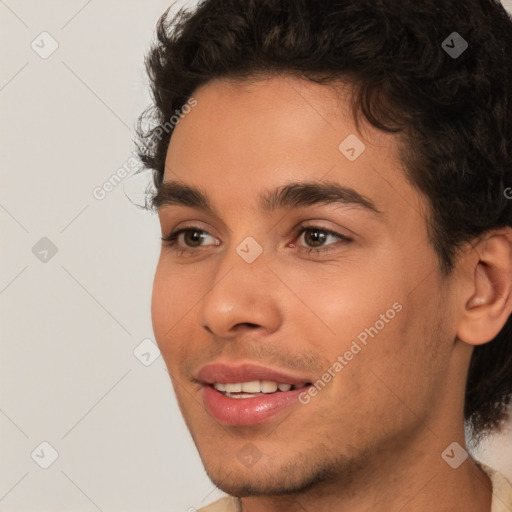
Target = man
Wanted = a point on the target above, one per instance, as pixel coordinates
(333, 294)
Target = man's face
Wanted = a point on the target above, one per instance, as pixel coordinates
(369, 297)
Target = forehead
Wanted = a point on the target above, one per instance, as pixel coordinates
(264, 118)
(246, 136)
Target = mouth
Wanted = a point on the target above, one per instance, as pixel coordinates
(248, 395)
(255, 388)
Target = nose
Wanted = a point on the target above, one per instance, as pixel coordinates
(243, 297)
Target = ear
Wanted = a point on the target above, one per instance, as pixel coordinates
(488, 301)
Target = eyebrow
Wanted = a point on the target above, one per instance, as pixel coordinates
(292, 195)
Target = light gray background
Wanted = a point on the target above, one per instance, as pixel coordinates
(70, 324)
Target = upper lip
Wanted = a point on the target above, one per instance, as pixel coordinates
(232, 373)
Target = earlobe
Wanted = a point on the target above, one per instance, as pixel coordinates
(490, 304)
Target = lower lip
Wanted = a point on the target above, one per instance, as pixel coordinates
(247, 411)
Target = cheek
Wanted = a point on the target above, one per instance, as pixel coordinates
(160, 303)
(168, 308)
(368, 313)
(349, 298)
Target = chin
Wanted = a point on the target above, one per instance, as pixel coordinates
(294, 477)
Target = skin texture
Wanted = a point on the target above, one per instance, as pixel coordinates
(372, 438)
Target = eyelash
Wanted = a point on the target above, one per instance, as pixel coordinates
(172, 238)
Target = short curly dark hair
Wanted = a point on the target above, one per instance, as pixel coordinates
(452, 113)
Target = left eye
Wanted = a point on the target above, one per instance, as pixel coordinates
(317, 236)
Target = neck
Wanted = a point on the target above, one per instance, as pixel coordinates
(417, 479)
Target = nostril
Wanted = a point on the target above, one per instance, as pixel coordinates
(248, 324)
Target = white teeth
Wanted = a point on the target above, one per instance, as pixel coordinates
(251, 387)
(254, 387)
(233, 388)
(268, 387)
